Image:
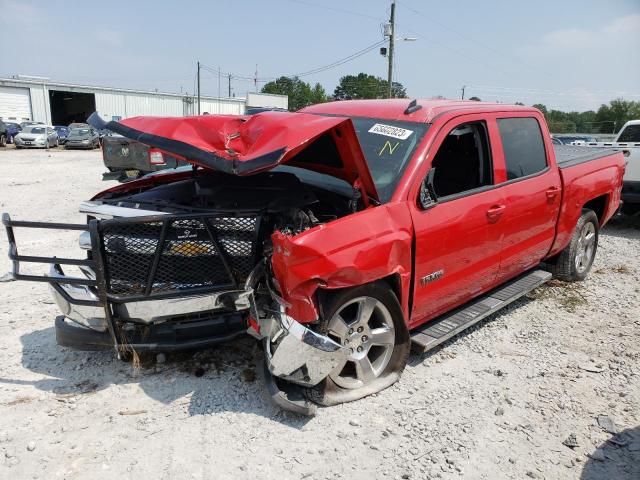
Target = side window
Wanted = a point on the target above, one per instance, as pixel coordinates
(523, 146)
(630, 134)
(463, 161)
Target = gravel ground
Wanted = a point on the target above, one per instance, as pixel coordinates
(561, 365)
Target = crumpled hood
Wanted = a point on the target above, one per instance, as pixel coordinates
(242, 145)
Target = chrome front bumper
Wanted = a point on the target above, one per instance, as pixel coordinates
(296, 353)
(74, 306)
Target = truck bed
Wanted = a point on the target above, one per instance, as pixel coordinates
(569, 155)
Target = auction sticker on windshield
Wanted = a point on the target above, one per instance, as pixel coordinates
(391, 131)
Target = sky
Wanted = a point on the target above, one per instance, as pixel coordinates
(567, 54)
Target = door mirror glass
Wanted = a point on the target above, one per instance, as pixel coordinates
(428, 198)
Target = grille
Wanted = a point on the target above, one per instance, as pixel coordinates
(195, 253)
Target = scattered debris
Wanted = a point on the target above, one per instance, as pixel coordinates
(249, 375)
(20, 400)
(589, 367)
(621, 269)
(605, 423)
(598, 455)
(85, 386)
(31, 446)
(131, 412)
(7, 277)
(499, 411)
(571, 441)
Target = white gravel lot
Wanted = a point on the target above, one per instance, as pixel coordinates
(496, 402)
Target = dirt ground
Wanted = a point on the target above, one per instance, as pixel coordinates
(496, 402)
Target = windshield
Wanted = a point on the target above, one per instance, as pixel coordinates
(388, 146)
(35, 130)
(61, 129)
(630, 134)
(79, 132)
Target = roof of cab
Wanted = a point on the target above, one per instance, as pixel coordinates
(393, 109)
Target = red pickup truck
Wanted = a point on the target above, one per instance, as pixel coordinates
(337, 236)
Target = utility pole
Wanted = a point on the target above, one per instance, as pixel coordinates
(392, 33)
(198, 88)
(463, 87)
(229, 85)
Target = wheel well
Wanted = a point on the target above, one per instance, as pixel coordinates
(598, 206)
(392, 281)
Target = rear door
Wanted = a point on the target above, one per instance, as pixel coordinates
(532, 192)
(458, 241)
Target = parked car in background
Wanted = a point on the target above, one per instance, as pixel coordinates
(13, 129)
(570, 139)
(3, 134)
(36, 136)
(63, 133)
(254, 110)
(337, 236)
(30, 122)
(128, 159)
(83, 137)
(628, 140)
(78, 125)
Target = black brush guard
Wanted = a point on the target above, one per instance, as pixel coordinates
(152, 257)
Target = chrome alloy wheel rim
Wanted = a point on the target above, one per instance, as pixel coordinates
(364, 326)
(586, 247)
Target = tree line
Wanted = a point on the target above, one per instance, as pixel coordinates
(609, 118)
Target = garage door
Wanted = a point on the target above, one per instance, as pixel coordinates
(15, 104)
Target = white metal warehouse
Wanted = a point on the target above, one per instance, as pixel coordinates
(39, 99)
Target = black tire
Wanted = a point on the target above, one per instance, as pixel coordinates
(3, 140)
(328, 392)
(567, 265)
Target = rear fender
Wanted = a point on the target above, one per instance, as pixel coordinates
(353, 250)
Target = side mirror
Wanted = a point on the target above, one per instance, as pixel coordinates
(428, 196)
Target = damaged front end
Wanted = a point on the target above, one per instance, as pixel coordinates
(184, 260)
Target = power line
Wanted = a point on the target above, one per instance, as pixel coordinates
(313, 71)
(471, 39)
(339, 10)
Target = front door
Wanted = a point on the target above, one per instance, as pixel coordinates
(458, 241)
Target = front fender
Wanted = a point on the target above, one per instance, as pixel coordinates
(353, 250)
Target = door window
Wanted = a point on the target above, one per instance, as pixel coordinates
(463, 161)
(523, 146)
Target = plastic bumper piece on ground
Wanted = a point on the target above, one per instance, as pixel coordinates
(299, 355)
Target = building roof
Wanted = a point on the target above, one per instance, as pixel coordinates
(72, 86)
(393, 109)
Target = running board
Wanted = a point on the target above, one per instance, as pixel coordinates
(441, 329)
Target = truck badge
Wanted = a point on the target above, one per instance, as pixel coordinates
(431, 277)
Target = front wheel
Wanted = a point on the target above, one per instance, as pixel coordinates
(575, 261)
(3, 140)
(369, 322)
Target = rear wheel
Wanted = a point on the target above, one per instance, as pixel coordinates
(575, 261)
(368, 321)
(3, 140)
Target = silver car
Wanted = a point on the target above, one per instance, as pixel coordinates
(36, 136)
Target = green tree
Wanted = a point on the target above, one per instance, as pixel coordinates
(475, 99)
(363, 86)
(613, 116)
(300, 93)
(541, 107)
